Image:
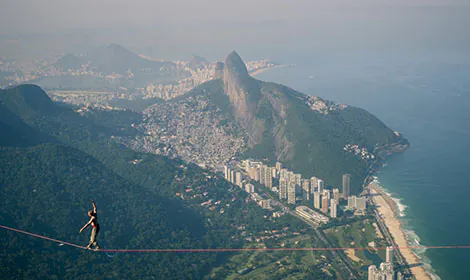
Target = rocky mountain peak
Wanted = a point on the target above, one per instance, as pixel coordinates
(219, 70)
(241, 89)
(234, 65)
(244, 94)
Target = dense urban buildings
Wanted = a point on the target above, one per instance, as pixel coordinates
(291, 187)
(357, 203)
(385, 272)
(372, 272)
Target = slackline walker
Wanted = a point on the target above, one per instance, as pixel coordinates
(219, 250)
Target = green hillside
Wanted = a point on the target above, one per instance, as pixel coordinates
(307, 134)
(46, 190)
(47, 182)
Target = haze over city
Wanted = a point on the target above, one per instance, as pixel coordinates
(176, 29)
(214, 139)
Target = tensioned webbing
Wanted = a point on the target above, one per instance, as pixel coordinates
(216, 250)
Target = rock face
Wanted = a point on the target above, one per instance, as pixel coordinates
(306, 133)
(258, 111)
(242, 92)
(219, 70)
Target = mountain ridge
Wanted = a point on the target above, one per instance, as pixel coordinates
(45, 187)
(306, 133)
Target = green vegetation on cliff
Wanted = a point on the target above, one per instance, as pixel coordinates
(307, 134)
(53, 161)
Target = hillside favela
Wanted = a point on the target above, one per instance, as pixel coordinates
(282, 140)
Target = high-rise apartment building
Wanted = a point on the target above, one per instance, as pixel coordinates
(282, 189)
(238, 179)
(306, 189)
(284, 174)
(333, 209)
(291, 194)
(291, 177)
(313, 184)
(226, 171)
(317, 200)
(274, 173)
(346, 185)
(386, 270)
(320, 185)
(324, 204)
(298, 179)
(268, 179)
(327, 193)
(372, 273)
(358, 203)
(389, 254)
(336, 195)
(262, 174)
(278, 166)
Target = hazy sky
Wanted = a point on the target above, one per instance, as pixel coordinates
(181, 27)
(34, 15)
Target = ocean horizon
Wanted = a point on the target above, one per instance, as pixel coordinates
(424, 96)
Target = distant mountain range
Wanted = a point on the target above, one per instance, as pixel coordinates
(112, 58)
(108, 67)
(54, 159)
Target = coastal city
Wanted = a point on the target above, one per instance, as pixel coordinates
(191, 128)
(236, 140)
(180, 77)
(311, 200)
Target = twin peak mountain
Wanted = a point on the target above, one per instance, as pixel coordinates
(308, 134)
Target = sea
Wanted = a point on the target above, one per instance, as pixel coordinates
(426, 97)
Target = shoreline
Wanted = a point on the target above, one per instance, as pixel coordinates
(259, 71)
(389, 213)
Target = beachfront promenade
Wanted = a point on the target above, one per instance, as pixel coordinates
(391, 228)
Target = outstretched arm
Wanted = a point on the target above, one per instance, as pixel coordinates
(94, 206)
(87, 224)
